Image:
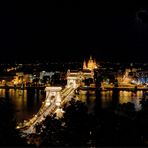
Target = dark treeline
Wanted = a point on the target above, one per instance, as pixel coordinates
(118, 125)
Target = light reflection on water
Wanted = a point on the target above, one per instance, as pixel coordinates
(106, 98)
(133, 97)
(28, 103)
(124, 97)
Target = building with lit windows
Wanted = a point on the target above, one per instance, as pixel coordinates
(91, 64)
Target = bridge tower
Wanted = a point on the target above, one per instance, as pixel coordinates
(53, 95)
(72, 82)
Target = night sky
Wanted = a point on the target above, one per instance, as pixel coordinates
(73, 31)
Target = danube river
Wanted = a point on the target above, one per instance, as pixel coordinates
(27, 103)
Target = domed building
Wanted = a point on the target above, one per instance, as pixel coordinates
(91, 64)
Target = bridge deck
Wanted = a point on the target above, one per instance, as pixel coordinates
(29, 127)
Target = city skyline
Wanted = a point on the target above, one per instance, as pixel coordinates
(73, 74)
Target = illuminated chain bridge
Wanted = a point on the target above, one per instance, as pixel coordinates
(56, 97)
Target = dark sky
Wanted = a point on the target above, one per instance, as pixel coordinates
(70, 30)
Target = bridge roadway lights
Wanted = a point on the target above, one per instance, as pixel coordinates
(53, 95)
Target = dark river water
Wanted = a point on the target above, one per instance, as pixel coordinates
(27, 103)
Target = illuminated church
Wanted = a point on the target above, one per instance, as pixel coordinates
(91, 64)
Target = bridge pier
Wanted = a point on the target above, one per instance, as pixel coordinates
(53, 95)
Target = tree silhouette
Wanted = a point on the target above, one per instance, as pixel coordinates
(118, 126)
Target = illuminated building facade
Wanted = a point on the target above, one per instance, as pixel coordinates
(91, 64)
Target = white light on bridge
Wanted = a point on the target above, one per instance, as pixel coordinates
(58, 103)
(47, 103)
(59, 112)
